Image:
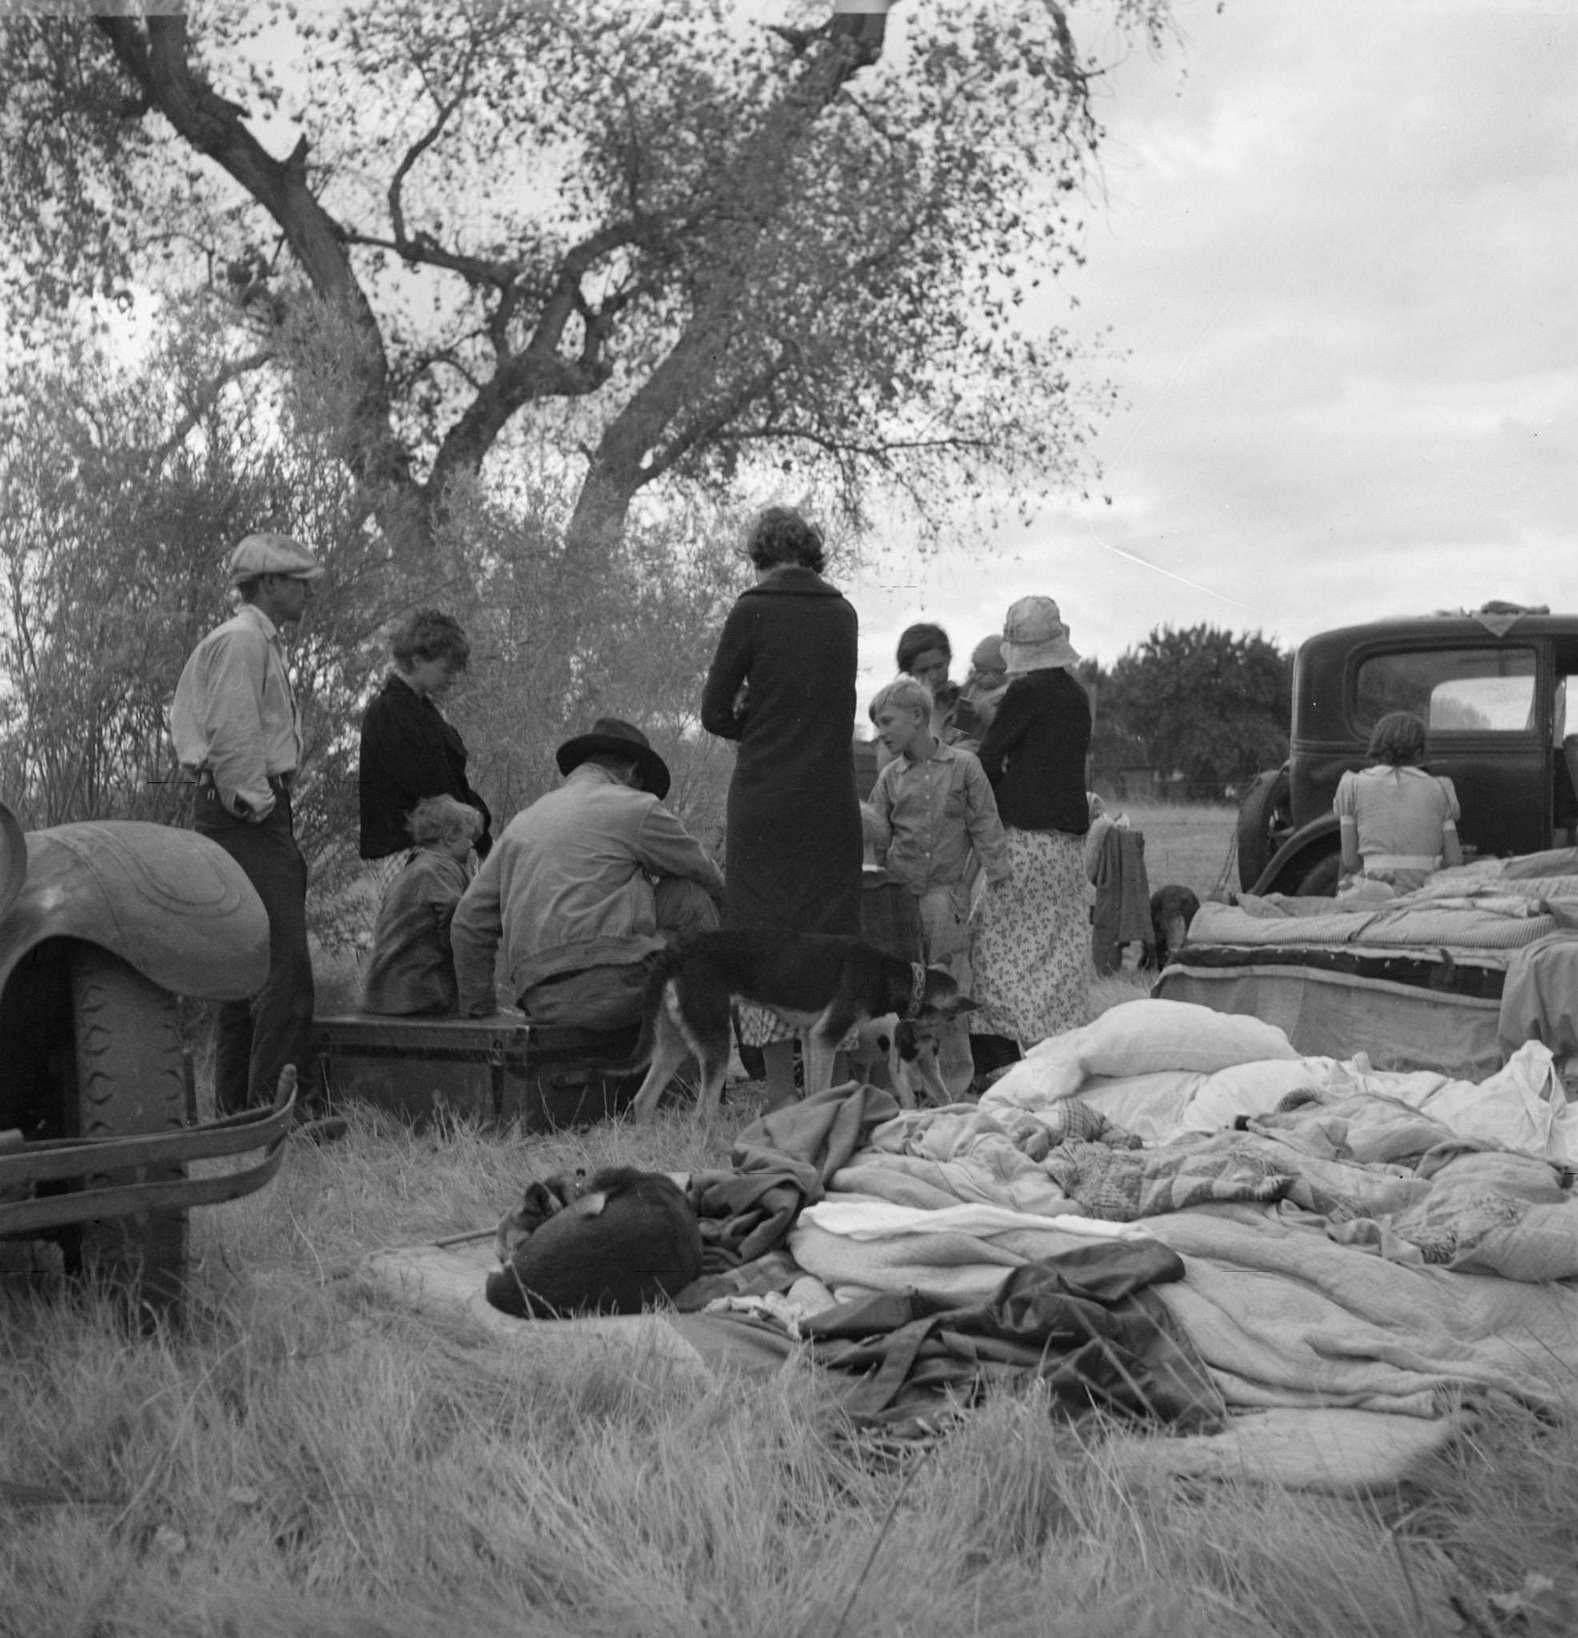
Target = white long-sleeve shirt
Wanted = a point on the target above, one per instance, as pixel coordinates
(234, 712)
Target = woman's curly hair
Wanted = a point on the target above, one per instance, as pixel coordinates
(780, 535)
(431, 634)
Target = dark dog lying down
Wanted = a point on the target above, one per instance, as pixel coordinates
(611, 1243)
(824, 983)
(1172, 909)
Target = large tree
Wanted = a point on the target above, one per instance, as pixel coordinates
(1205, 704)
(673, 237)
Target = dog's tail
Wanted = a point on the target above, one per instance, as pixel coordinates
(661, 967)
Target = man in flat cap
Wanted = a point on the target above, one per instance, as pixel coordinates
(582, 886)
(237, 733)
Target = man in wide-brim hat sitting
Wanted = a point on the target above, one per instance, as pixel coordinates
(582, 886)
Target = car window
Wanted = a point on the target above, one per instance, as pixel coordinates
(1476, 690)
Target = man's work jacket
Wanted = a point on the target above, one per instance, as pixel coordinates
(568, 885)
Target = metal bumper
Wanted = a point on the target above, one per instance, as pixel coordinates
(24, 1213)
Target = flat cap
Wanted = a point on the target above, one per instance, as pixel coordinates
(272, 554)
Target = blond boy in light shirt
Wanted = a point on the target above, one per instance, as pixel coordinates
(932, 819)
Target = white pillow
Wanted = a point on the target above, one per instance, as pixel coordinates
(1248, 1089)
(1140, 1037)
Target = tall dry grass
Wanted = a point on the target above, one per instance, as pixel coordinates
(1188, 844)
(312, 1458)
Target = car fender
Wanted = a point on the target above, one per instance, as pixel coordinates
(171, 903)
(1267, 793)
(1297, 854)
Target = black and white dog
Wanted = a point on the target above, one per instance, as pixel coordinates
(906, 1054)
(822, 982)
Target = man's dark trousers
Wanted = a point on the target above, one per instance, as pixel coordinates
(256, 1039)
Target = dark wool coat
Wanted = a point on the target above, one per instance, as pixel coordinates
(794, 841)
(1034, 753)
(408, 752)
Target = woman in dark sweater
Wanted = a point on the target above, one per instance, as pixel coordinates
(1031, 955)
(409, 751)
(782, 686)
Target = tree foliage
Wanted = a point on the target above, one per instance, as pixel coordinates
(1204, 704)
(123, 488)
(668, 239)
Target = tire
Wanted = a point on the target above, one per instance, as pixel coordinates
(1262, 813)
(129, 1080)
(1319, 881)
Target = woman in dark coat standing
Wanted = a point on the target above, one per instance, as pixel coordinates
(409, 750)
(782, 685)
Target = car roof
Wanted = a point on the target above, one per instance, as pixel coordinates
(1493, 622)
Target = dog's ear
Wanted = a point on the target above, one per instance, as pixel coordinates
(940, 995)
(948, 1006)
(542, 1200)
(537, 1205)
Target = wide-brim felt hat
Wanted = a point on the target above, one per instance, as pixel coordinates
(622, 739)
(1035, 638)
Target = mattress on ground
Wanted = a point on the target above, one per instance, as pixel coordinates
(1458, 1009)
(1456, 975)
(1403, 1009)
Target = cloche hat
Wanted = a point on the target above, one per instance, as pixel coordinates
(623, 739)
(272, 554)
(1035, 638)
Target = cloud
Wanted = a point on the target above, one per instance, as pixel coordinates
(1340, 245)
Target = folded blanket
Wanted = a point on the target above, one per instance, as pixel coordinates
(1486, 922)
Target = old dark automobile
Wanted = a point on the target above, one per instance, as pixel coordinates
(102, 926)
(1492, 686)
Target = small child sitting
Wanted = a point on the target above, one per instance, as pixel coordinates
(932, 817)
(411, 969)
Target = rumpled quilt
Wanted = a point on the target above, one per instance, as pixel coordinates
(1352, 1237)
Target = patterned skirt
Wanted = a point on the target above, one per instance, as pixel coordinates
(1031, 953)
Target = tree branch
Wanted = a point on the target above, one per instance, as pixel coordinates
(159, 66)
(204, 400)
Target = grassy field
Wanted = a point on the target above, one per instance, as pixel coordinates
(1187, 845)
(313, 1458)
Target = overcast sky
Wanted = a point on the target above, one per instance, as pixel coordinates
(1340, 245)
